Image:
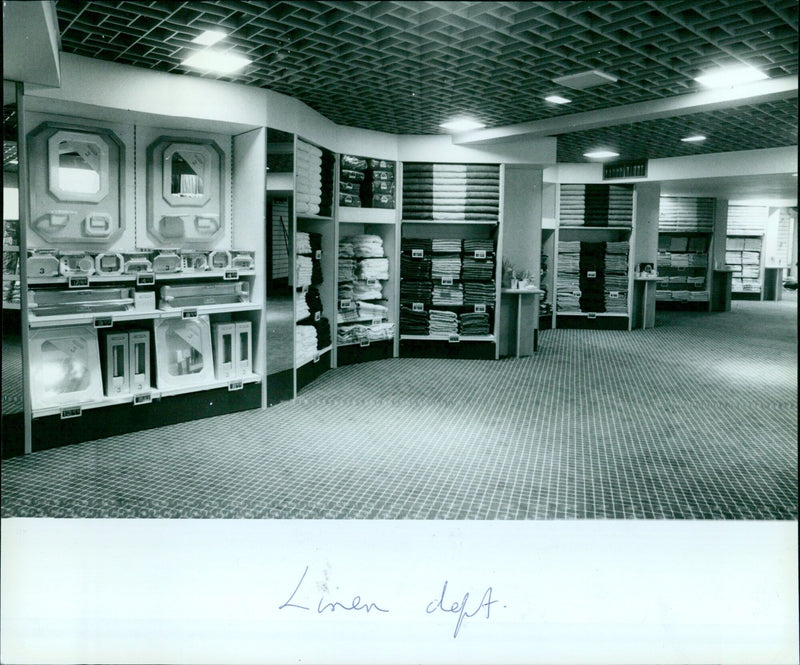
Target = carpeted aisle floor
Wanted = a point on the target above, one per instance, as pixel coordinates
(694, 419)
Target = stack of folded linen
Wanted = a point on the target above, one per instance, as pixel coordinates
(308, 181)
(443, 322)
(373, 269)
(305, 344)
(414, 323)
(474, 323)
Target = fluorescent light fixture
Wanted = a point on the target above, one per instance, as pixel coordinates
(462, 125)
(557, 99)
(694, 139)
(601, 154)
(728, 77)
(209, 37)
(216, 61)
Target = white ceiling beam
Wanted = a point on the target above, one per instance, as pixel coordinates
(696, 102)
(31, 43)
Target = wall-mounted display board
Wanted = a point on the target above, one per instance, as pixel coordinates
(451, 248)
(593, 256)
(684, 265)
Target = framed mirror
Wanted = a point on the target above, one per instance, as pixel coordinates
(78, 166)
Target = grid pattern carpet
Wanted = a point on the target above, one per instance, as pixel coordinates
(694, 419)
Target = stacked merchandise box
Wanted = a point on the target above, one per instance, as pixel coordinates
(363, 316)
(366, 183)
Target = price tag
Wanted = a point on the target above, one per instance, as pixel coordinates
(454, 339)
(345, 304)
(372, 282)
(78, 281)
(318, 254)
(377, 322)
(364, 341)
(591, 315)
(317, 316)
(577, 294)
(591, 273)
(417, 253)
(316, 357)
(145, 279)
(417, 306)
(480, 309)
(480, 253)
(230, 274)
(103, 322)
(613, 294)
(447, 281)
(144, 398)
(235, 385)
(190, 313)
(304, 289)
(71, 412)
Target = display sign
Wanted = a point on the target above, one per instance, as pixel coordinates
(190, 313)
(480, 309)
(453, 339)
(480, 253)
(71, 412)
(78, 281)
(145, 279)
(103, 322)
(372, 282)
(591, 315)
(144, 398)
(345, 304)
(591, 273)
(613, 294)
(418, 307)
(417, 253)
(230, 274)
(235, 385)
(447, 281)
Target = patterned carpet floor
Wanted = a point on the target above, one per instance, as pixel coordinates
(694, 419)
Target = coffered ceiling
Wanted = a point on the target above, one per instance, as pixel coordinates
(405, 67)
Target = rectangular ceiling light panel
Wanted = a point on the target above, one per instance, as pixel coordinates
(584, 80)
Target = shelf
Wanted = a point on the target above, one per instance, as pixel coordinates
(446, 338)
(280, 182)
(462, 222)
(616, 315)
(10, 248)
(159, 277)
(570, 227)
(315, 218)
(320, 353)
(361, 320)
(10, 278)
(341, 345)
(349, 215)
(88, 318)
(154, 394)
(11, 305)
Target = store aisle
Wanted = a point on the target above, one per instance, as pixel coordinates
(696, 418)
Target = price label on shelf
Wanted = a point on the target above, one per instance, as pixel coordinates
(316, 357)
(447, 281)
(190, 313)
(372, 282)
(103, 322)
(78, 281)
(591, 274)
(480, 253)
(591, 315)
(377, 322)
(577, 294)
(143, 398)
(345, 304)
(318, 254)
(454, 339)
(613, 294)
(235, 385)
(304, 288)
(317, 316)
(364, 341)
(417, 306)
(480, 309)
(145, 279)
(417, 253)
(71, 412)
(230, 274)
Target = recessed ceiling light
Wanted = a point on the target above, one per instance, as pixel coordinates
(728, 77)
(462, 125)
(216, 61)
(557, 99)
(209, 37)
(601, 154)
(694, 139)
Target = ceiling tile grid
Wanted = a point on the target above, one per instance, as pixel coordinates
(405, 67)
